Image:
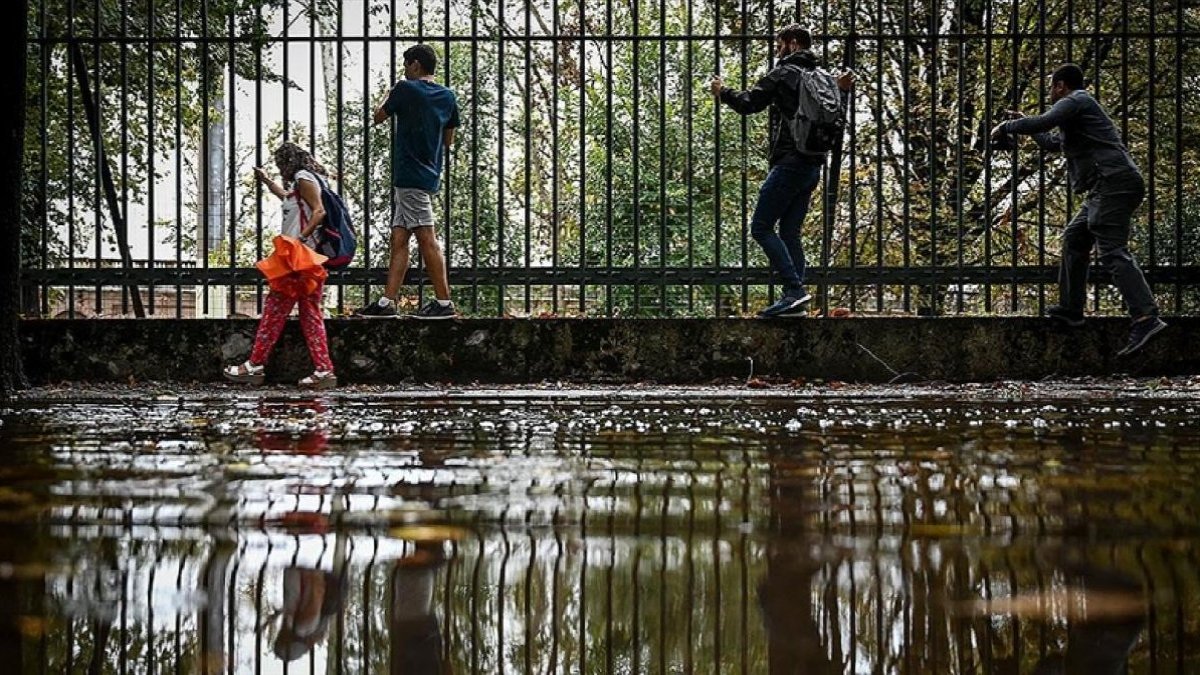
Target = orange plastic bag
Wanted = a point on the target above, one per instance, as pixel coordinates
(294, 269)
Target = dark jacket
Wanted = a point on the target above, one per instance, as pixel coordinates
(1086, 136)
(779, 89)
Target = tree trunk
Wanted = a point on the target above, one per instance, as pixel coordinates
(12, 156)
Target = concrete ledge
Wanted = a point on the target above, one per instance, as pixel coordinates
(956, 349)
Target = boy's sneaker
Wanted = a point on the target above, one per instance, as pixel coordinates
(1067, 317)
(788, 305)
(1140, 333)
(435, 310)
(377, 311)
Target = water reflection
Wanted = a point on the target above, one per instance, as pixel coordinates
(745, 537)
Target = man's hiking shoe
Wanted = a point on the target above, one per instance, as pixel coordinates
(435, 310)
(788, 305)
(377, 311)
(1140, 333)
(1064, 316)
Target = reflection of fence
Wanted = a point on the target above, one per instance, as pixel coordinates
(521, 601)
(645, 578)
(742, 537)
(593, 174)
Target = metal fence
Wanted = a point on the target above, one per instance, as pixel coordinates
(593, 174)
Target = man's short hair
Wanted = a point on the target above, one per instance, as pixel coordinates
(797, 33)
(424, 55)
(1069, 74)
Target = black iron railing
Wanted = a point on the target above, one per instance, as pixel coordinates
(593, 174)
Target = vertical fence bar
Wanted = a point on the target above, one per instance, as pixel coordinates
(1152, 136)
(662, 157)
(555, 208)
(475, 89)
(70, 162)
(1039, 84)
(205, 188)
(1178, 151)
(688, 114)
(340, 126)
(608, 178)
(878, 106)
(962, 136)
(501, 38)
(850, 45)
(744, 166)
(583, 134)
(179, 155)
(635, 197)
(716, 264)
(151, 150)
(124, 145)
(96, 101)
(906, 173)
(990, 120)
(367, 119)
(528, 158)
(45, 49)
(934, 304)
(1014, 206)
(231, 213)
(258, 156)
(447, 154)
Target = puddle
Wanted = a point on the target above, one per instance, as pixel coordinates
(739, 535)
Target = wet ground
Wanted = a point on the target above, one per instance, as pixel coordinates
(777, 528)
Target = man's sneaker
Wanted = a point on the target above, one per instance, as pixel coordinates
(377, 311)
(1067, 317)
(435, 310)
(1140, 333)
(788, 305)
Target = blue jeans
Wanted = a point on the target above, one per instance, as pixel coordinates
(784, 199)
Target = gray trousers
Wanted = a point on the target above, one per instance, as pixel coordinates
(1104, 223)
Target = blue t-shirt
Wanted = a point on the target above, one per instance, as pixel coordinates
(422, 111)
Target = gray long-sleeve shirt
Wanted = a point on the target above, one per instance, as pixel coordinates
(1086, 136)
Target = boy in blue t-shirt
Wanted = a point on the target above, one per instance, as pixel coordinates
(426, 114)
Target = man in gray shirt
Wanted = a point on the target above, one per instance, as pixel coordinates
(1098, 164)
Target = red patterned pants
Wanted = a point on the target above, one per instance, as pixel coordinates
(312, 323)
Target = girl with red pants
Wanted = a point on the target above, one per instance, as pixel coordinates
(302, 213)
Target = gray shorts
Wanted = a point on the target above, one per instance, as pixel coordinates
(413, 208)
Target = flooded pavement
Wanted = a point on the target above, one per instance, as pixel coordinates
(650, 531)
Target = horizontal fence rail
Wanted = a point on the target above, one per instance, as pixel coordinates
(593, 173)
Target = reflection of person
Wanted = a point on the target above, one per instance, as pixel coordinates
(1099, 643)
(794, 640)
(1099, 164)
(787, 191)
(310, 599)
(426, 115)
(416, 635)
(302, 212)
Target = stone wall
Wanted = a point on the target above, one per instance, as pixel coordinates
(611, 350)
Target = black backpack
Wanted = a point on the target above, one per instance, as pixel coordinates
(335, 238)
(820, 118)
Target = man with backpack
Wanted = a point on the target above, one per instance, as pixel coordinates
(426, 115)
(808, 116)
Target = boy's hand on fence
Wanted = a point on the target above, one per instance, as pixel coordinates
(845, 81)
(1013, 114)
(716, 85)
